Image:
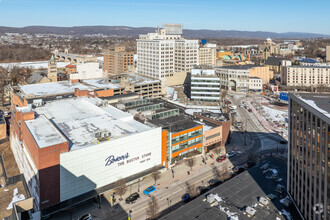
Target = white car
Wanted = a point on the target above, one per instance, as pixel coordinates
(232, 107)
(230, 154)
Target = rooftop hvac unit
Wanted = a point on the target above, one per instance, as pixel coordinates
(37, 102)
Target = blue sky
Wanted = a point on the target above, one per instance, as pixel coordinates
(244, 15)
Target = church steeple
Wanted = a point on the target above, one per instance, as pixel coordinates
(52, 69)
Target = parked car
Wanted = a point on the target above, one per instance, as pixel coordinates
(230, 154)
(238, 169)
(186, 197)
(239, 124)
(241, 105)
(86, 217)
(221, 158)
(149, 190)
(249, 164)
(250, 110)
(202, 189)
(132, 198)
(214, 182)
(233, 107)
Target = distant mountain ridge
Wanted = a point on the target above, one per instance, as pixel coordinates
(125, 31)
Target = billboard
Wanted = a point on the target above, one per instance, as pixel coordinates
(284, 96)
(203, 41)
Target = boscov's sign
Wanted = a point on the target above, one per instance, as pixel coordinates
(121, 159)
(112, 159)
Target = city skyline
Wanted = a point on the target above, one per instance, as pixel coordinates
(243, 16)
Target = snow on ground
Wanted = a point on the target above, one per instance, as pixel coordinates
(274, 114)
(33, 65)
(16, 197)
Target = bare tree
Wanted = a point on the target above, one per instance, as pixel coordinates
(120, 187)
(191, 189)
(251, 157)
(217, 149)
(155, 174)
(190, 162)
(152, 208)
(225, 173)
(216, 172)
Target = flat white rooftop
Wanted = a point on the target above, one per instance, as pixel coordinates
(63, 87)
(79, 118)
(44, 132)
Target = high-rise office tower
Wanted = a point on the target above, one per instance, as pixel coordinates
(118, 60)
(308, 155)
(164, 52)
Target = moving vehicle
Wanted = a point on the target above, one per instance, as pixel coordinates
(221, 158)
(149, 190)
(233, 107)
(86, 217)
(250, 110)
(132, 198)
(230, 154)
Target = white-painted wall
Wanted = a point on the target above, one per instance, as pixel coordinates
(85, 169)
(90, 70)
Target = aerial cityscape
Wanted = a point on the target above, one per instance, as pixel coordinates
(170, 110)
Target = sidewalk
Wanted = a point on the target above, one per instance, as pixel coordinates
(180, 169)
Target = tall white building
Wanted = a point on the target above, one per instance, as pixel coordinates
(164, 52)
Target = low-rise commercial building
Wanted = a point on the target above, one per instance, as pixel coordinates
(3, 127)
(305, 75)
(237, 77)
(234, 78)
(255, 84)
(78, 146)
(204, 84)
(143, 86)
(327, 51)
(308, 154)
(87, 70)
(71, 68)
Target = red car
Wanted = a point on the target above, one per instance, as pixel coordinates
(250, 110)
(221, 158)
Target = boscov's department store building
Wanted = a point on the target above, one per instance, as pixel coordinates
(66, 147)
